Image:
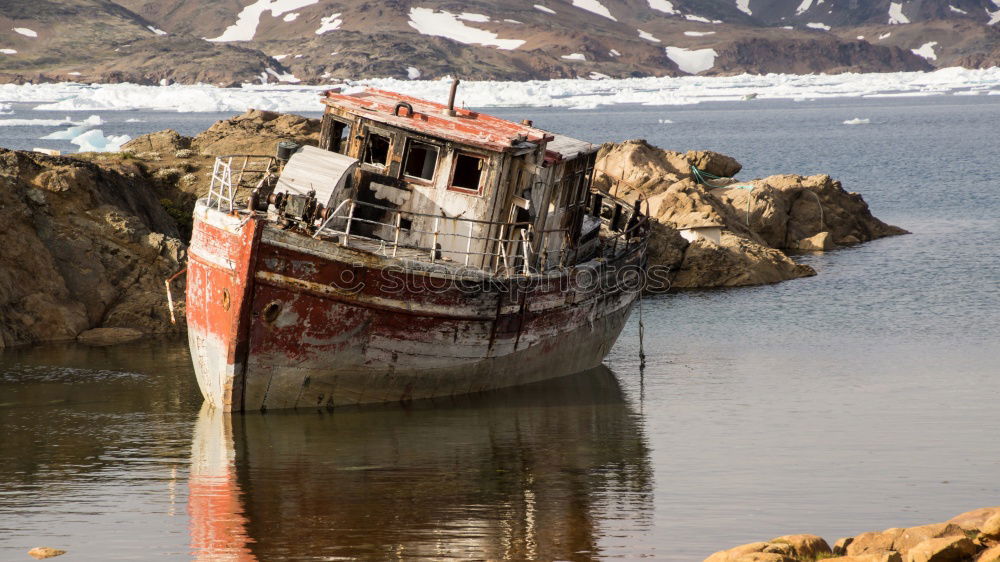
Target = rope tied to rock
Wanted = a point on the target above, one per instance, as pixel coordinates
(702, 177)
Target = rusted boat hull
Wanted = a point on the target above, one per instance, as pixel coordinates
(277, 320)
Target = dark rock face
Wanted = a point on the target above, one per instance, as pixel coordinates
(83, 246)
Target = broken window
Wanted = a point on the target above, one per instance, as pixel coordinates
(340, 138)
(377, 150)
(421, 160)
(468, 173)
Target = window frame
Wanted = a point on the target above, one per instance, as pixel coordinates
(454, 166)
(409, 141)
(369, 132)
(346, 139)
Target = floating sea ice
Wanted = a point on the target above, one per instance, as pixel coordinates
(34, 122)
(6, 109)
(95, 141)
(78, 128)
(857, 121)
(412, 72)
(664, 121)
(134, 120)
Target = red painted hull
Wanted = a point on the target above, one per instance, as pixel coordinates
(279, 320)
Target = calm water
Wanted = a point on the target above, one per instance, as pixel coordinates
(863, 398)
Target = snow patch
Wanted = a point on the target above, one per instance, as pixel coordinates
(249, 18)
(614, 53)
(279, 57)
(446, 24)
(896, 16)
(647, 36)
(803, 7)
(513, 21)
(478, 18)
(816, 25)
(692, 17)
(885, 36)
(412, 72)
(744, 6)
(544, 9)
(283, 77)
(957, 10)
(857, 121)
(598, 76)
(595, 7)
(926, 50)
(692, 61)
(663, 6)
(8, 51)
(156, 30)
(25, 31)
(329, 23)
(575, 56)
(698, 33)
(994, 16)
(290, 17)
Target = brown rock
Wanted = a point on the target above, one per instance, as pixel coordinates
(734, 263)
(989, 555)
(736, 552)
(913, 536)
(973, 520)
(109, 336)
(945, 549)
(873, 542)
(42, 552)
(804, 546)
(991, 528)
(256, 132)
(817, 243)
(764, 557)
(840, 547)
(714, 163)
(167, 141)
(888, 556)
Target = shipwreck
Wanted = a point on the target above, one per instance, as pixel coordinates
(421, 250)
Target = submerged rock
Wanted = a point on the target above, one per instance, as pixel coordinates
(42, 552)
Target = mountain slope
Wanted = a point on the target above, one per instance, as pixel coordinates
(227, 41)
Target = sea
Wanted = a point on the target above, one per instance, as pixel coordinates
(863, 398)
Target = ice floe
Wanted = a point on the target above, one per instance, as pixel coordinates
(857, 121)
(448, 25)
(74, 96)
(412, 72)
(95, 141)
(77, 128)
(6, 109)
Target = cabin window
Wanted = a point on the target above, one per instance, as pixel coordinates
(340, 134)
(377, 150)
(468, 174)
(421, 160)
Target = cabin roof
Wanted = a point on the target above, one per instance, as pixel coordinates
(562, 148)
(430, 118)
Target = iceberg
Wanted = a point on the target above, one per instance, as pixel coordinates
(95, 141)
(564, 93)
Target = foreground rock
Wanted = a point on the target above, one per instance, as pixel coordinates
(754, 222)
(970, 537)
(82, 246)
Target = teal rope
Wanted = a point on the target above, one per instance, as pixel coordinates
(702, 178)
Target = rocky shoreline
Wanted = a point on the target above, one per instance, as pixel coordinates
(973, 536)
(89, 239)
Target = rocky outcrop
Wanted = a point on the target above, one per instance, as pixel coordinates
(970, 537)
(756, 222)
(83, 246)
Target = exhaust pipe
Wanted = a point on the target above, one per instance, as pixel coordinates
(451, 98)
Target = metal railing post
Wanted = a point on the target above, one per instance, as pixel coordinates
(347, 231)
(434, 242)
(468, 245)
(395, 242)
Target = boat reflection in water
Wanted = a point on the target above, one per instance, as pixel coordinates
(541, 471)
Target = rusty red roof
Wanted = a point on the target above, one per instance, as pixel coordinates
(429, 118)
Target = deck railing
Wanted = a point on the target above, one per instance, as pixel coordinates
(234, 172)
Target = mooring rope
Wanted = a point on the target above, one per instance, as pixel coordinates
(702, 178)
